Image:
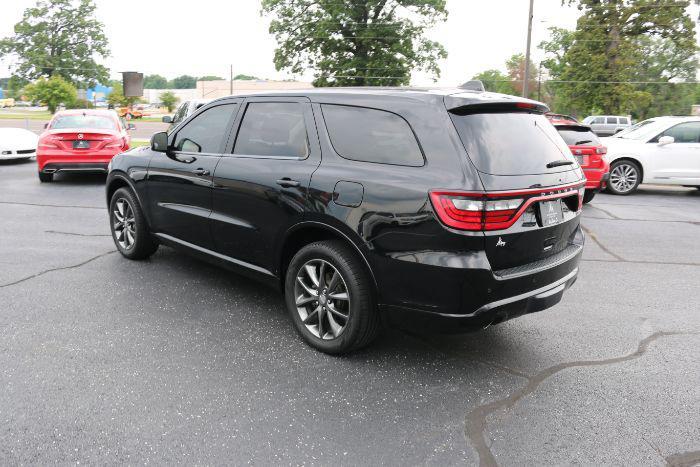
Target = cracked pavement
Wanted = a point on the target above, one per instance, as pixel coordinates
(104, 360)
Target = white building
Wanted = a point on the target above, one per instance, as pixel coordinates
(214, 89)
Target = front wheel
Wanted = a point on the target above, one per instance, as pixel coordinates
(625, 177)
(329, 298)
(129, 229)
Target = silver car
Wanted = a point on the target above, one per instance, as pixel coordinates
(607, 125)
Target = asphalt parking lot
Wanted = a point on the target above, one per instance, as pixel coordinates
(103, 360)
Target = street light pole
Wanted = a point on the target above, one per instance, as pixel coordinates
(527, 49)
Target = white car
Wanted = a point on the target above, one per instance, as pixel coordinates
(17, 143)
(663, 151)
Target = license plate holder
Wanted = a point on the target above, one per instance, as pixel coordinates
(81, 144)
(551, 212)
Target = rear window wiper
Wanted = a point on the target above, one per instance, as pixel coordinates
(559, 163)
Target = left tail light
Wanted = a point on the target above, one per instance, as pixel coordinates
(466, 212)
(48, 142)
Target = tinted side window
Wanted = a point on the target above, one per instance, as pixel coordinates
(684, 132)
(206, 132)
(612, 120)
(624, 121)
(275, 129)
(371, 135)
(598, 120)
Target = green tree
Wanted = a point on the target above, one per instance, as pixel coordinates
(169, 99)
(596, 66)
(58, 37)
(246, 77)
(184, 82)
(155, 82)
(51, 92)
(356, 42)
(210, 78)
(496, 81)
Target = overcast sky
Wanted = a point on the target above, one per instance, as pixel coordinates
(204, 37)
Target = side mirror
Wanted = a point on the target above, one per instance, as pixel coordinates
(664, 140)
(167, 119)
(159, 142)
(131, 126)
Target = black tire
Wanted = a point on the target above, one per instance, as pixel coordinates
(625, 177)
(133, 239)
(588, 196)
(362, 322)
(45, 178)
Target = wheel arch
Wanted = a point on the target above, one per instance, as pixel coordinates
(308, 232)
(117, 180)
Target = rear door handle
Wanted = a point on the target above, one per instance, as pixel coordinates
(200, 172)
(287, 183)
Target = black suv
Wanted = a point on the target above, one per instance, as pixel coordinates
(429, 209)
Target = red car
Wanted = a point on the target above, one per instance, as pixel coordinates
(589, 152)
(81, 141)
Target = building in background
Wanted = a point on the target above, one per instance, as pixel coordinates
(152, 96)
(222, 88)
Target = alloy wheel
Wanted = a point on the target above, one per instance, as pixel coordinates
(322, 299)
(124, 223)
(624, 177)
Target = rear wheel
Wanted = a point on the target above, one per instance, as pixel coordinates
(45, 178)
(329, 298)
(588, 196)
(129, 229)
(625, 177)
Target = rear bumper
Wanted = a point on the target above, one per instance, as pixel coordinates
(68, 161)
(487, 297)
(94, 167)
(489, 314)
(596, 179)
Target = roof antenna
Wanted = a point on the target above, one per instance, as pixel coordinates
(473, 85)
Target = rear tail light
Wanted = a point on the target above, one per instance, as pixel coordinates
(116, 143)
(48, 142)
(496, 211)
(466, 212)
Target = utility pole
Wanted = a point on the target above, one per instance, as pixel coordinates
(527, 49)
(230, 91)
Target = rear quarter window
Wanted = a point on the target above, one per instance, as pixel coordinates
(371, 135)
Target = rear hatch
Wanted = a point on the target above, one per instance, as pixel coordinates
(583, 143)
(533, 185)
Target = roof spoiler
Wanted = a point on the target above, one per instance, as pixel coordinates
(473, 85)
(499, 107)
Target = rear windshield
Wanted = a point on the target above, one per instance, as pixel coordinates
(516, 143)
(83, 121)
(578, 136)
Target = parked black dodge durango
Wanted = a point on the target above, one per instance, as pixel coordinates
(430, 209)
